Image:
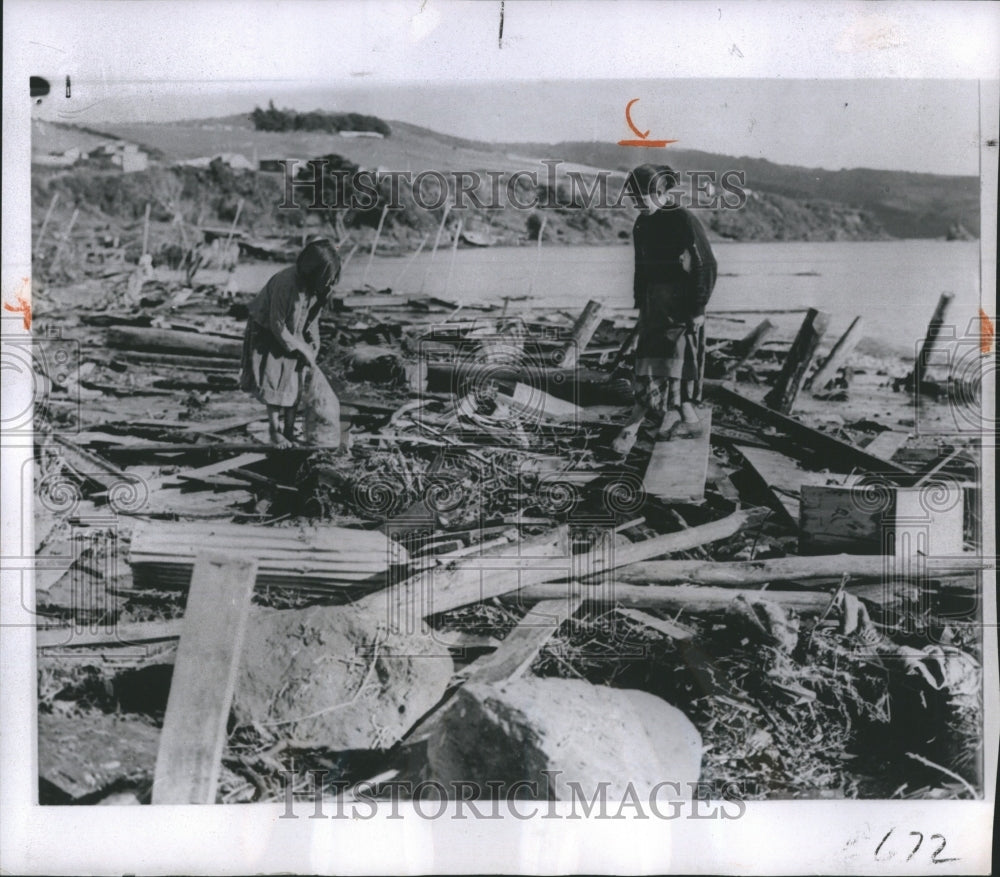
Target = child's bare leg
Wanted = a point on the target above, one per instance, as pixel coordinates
(688, 412)
(289, 422)
(672, 405)
(274, 426)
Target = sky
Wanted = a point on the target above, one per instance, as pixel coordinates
(857, 92)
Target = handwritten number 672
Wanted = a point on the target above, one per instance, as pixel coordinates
(935, 856)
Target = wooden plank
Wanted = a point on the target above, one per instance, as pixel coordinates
(687, 598)
(121, 635)
(174, 341)
(885, 444)
(150, 450)
(747, 346)
(783, 477)
(668, 628)
(832, 517)
(541, 559)
(915, 380)
(834, 450)
(678, 466)
(583, 330)
(838, 356)
(861, 567)
(221, 467)
(89, 465)
(516, 653)
(793, 372)
(201, 691)
(537, 400)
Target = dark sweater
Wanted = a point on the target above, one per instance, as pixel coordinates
(661, 238)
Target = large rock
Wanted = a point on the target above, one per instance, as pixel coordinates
(329, 676)
(513, 731)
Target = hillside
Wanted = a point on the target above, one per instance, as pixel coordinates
(787, 203)
(907, 205)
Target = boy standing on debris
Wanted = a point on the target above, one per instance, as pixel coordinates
(675, 273)
(282, 335)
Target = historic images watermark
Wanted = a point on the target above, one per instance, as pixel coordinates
(315, 185)
(666, 800)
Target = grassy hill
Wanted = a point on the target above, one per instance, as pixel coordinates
(788, 203)
(907, 205)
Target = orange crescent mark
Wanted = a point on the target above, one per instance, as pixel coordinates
(985, 332)
(21, 306)
(642, 135)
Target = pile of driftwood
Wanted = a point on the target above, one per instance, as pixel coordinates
(495, 559)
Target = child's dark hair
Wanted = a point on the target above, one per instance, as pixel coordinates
(318, 265)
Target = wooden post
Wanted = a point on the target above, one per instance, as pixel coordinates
(201, 691)
(454, 251)
(65, 239)
(583, 330)
(371, 255)
(749, 344)
(838, 356)
(232, 229)
(410, 261)
(348, 257)
(538, 255)
(434, 249)
(45, 225)
(782, 397)
(624, 350)
(145, 230)
(916, 378)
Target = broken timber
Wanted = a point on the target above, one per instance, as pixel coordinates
(747, 346)
(668, 628)
(838, 356)
(782, 477)
(916, 379)
(90, 466)
(689, 598)
(162, 555)
(172, 341)
(583, 330)
(835, 450)
(793, 373)
(540, 559)
(515, 654)
(204, 679)
(860, 567)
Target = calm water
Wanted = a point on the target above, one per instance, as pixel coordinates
(894, 285)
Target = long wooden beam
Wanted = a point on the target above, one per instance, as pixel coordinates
(834, 449)
(204, 679)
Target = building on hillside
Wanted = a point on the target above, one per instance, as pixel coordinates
(68, 158)
(235, 160)
(374, 135)
(127, 157)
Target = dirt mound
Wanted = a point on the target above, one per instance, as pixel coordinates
(327, 676)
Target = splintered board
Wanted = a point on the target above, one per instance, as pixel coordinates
(515, 654)
(678, 466)
(783, 476)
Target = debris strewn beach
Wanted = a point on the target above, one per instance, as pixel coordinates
(490, 569)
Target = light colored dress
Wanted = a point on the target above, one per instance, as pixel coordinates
(281, 311)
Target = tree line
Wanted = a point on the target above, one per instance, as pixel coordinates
(273, 119)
